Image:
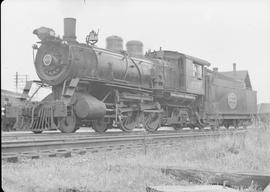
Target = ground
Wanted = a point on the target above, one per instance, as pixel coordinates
(133, 170)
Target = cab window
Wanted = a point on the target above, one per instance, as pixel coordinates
(197, 71)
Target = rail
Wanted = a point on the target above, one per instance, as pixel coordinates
(36, 145)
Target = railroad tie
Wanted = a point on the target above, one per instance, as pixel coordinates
(30, 155)
(63, 153)
(46, 154)
(78, 151)
(10, 157)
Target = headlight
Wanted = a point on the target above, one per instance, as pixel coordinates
(44, 32)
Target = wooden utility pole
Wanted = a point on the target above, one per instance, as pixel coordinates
(20, 81)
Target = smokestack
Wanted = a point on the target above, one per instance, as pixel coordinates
(234, 67)
(69, 29)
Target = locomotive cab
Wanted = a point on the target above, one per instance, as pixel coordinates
(184, 73)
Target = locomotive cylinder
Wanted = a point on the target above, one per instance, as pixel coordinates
(88, 107)
(69, 29)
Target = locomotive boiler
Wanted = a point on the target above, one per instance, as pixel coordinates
(117, 88)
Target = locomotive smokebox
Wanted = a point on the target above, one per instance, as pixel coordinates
(69, 29)
(135, 48)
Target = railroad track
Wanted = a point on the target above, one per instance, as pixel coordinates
(54, 134)
(86, 133)
(36, 146)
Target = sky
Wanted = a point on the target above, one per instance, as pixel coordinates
(221, 31)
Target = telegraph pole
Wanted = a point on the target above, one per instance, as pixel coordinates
(20, 81)
(16, 82)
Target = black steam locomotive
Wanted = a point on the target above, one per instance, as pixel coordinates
(109, 88)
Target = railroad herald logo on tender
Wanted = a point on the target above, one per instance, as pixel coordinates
(232, 100)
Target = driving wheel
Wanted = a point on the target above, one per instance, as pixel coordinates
(152, 121)
(99, 125)
(68, 124)
(128, 121)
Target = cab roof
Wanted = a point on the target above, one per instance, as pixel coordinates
(176, 54)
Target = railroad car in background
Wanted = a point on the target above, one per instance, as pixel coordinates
(8, 98)
(125, 89)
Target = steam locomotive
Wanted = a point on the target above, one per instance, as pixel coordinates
(114, 88)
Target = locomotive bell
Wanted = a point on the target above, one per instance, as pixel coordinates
(69, 29)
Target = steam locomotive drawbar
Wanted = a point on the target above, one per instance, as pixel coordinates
(106, 88)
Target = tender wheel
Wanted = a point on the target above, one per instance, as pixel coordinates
(200, 126)
(227, 125)
(128, 121)
(191, 126)
(215, 124)
(213, 127)
(152, 121)
(236, 124)
(177, 127)
(99, 126)
(68, 124)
